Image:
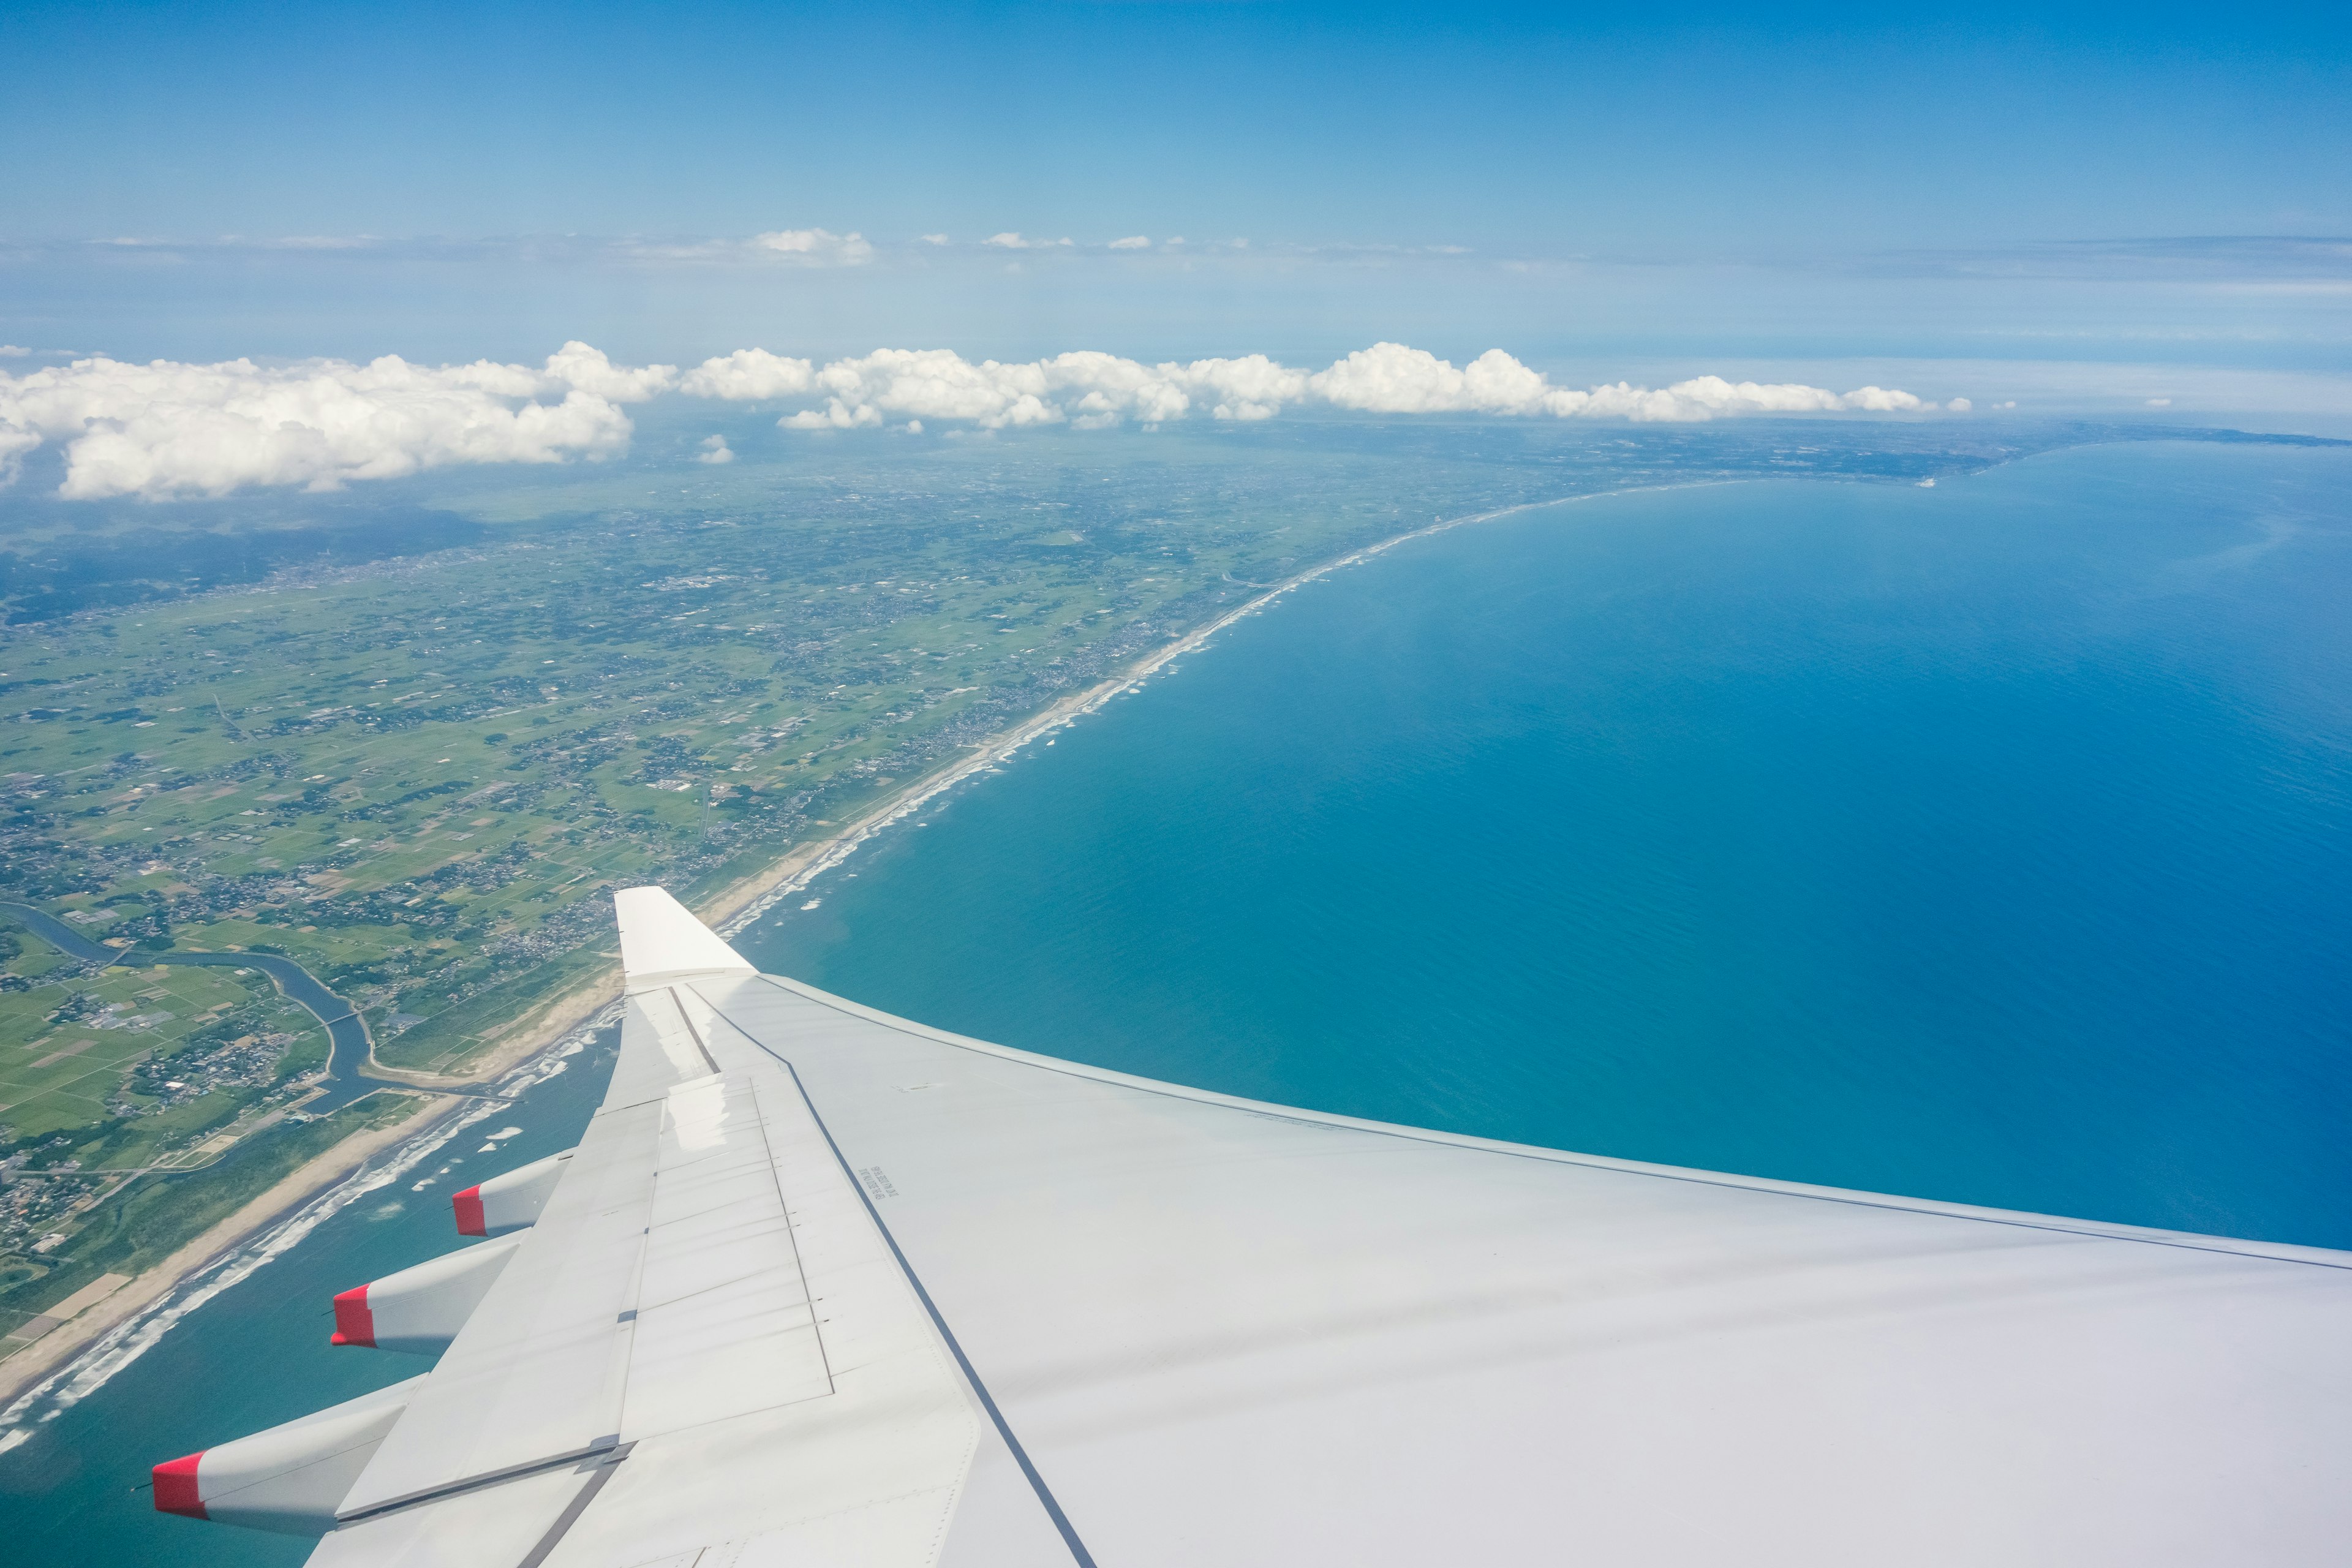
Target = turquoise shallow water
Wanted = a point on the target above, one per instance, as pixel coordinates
(1989, 842)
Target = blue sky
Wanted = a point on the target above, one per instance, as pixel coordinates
(1510, 130)
(1605, 195)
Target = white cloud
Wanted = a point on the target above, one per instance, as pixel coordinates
(166, 428)
(587, 370)
(926, 383)
(2159, 403)
(814, 246)
(1088, 389)
(1010, 241)
(1252, 387)
(935, 239)
(1390, 378)
(15, 442)
(748, 376)
(1132, 242)
(12, 351)
(1091, 390)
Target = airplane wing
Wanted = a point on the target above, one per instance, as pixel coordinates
(822, 1286)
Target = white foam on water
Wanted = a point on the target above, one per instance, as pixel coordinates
(120, 1346)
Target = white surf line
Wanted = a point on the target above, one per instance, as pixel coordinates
(1000, 749)
(111, 1353)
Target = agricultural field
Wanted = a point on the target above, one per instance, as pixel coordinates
(108, 1070)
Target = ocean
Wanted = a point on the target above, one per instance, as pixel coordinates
(1987, 842)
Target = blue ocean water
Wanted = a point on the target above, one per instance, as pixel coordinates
(1989, 842)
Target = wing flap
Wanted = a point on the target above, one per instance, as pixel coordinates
(510, 1525)
(538, 1371)
(724, 1320)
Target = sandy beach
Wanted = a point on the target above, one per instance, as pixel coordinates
(62, 1345)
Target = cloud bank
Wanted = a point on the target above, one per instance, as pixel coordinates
(1091, 390)
(166, 429)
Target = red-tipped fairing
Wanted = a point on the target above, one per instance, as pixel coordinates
(355, 1324)
(175, 1486)
(420, 1310)
(508, 1202)
(290, 1479)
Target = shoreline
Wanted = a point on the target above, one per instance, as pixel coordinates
(739, 903)
(736, 906)
(729, 911)
(54, 1354)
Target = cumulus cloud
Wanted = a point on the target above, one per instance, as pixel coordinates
(1132, 242)
(15, 442)
(587, 370)
(814, 246)
(166, 428)
(1091, 390)
(14, 351)
(1010, 241)
(748, 376)
(935, 239)
(169, 429)
(1088, 390)
(1390, 378)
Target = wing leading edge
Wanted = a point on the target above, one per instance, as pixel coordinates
(823, 1286)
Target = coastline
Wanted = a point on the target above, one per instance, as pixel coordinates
(55, 1352)
(738, 904)
(730, 909)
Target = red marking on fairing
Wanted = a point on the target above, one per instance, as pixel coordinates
(175, 1488)
(355, 1324)
(468, 1205)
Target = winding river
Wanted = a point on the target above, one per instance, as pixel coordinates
(346, 1031)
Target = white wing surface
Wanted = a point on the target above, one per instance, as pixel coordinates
(822, 1286)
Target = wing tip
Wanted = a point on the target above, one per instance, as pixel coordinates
(661, 939)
